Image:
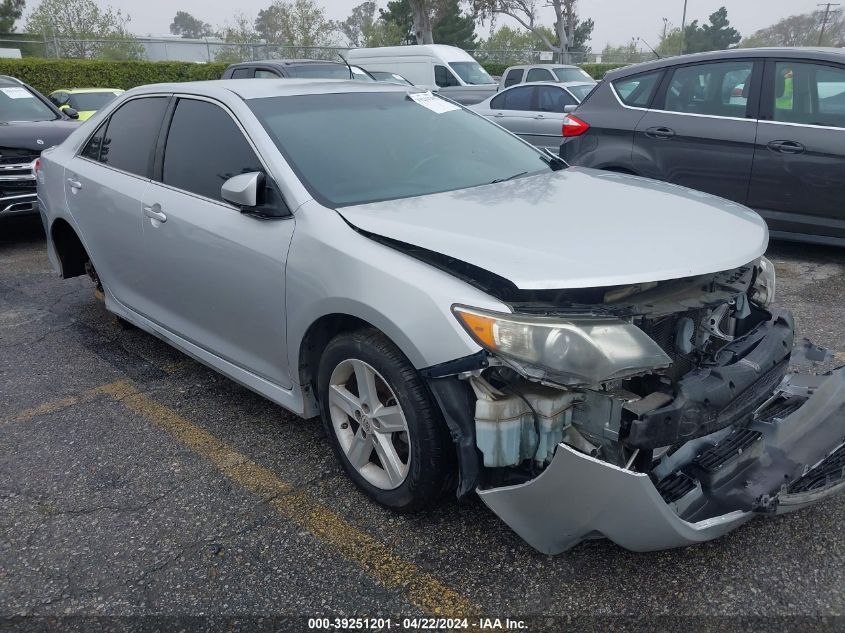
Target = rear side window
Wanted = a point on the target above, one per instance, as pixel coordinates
(539, 74)
(92, 147)
(199, 162)
(242, 73)
(131, 135)
(638, 90)
(717, 89)
(514, 77)
(811, 94)
(521, 98)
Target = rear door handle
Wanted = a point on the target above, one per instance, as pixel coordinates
(74, 184)
(662, 133)
(539, 116)
(786, 147)
(498, 114)
(154, 212)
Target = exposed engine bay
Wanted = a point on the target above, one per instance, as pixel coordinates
(712, 430)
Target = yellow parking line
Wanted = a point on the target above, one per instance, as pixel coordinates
(56, 405)
(390, 570)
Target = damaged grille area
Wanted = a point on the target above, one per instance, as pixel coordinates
(830, 471)
(739, 441)
(675, 486)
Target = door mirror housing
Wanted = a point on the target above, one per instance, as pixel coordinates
(570, 108)
(70, 112)
(242, 190)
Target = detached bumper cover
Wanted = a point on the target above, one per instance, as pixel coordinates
(579, 497)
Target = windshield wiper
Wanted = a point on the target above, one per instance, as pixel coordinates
(555, 162)
(522, 173)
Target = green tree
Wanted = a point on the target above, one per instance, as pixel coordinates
(10, 12)
(295, 23)
(716, 35)
(454, 28)
(506, 38)
(240, 37)
(359, 27)
(83, 30)
(627, 54)
(399, 17)
(801, 30)
(186, 25)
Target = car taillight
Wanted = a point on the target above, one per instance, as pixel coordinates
(573, 126)
(36, 166)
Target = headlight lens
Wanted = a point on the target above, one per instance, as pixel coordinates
(765, 284)
(571, 350)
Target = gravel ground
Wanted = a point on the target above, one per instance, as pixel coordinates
(192, 496)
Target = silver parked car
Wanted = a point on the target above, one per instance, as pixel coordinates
(544, 72)
(535, 112)
(434, 288)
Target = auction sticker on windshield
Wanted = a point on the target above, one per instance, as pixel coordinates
(17, 93)
(435, 104)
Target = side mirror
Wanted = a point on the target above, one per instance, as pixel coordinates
(70, 112)
(570, 108)
(242, 190)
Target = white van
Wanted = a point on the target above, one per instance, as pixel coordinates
(448, 69)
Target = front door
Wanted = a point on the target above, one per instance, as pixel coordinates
(701, 129)
(215, 276)
(798, 182)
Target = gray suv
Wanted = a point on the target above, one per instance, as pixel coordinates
(762, 127)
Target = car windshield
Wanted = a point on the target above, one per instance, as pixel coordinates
(391, 78)
(571, 74)
(472, 73)
(353, 148)
(85, 101)
(330, 71)
(19, 104)
(581, 92)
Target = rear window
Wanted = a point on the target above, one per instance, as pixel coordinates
(638, 90)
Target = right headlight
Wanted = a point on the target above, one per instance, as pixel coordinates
(763, 293)
(569, 350)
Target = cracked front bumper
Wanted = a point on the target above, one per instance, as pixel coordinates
(579, 497)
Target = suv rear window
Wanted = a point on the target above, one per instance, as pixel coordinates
(638, 90)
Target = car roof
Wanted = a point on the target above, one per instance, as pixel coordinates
(817, 53)
(542, 65)
(84, 90)
(286, 62)
(7, 80)
(260, 88)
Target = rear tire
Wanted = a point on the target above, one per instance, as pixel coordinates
(389, 434)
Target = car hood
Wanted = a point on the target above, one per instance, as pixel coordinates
(576, 228)
(26, 134)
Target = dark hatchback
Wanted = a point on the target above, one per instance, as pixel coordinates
(29, 124)
(762, 127)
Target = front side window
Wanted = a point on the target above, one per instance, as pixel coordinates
(385, 146)
(443, 78)
(242, 73)
(811, 94)
(539, 74)
(17, 103)
(638, 90)
(204, 149)
(514, 77)
(472, 73)
(323, 71)
(521, 98)
(551, 99)
(717, 89)
(131, 135)
(266, 74)
(85, 101)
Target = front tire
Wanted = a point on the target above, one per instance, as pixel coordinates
(382, 422)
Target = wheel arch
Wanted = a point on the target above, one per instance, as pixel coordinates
(69, 249)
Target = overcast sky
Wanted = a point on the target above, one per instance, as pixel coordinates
(617, 21)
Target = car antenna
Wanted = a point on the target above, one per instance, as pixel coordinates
(656, 54)
(351, 75)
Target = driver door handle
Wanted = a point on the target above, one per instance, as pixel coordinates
(154, 212)
(786, 147)
(74, 184)
(662, 133)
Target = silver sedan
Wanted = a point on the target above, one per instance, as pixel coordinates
(535, 111)
(592, 353)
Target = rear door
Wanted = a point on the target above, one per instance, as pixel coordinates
(701, 129)
(513, 110)
(213, 275)
(798, 181)
(513, 77)
(549, 111)
(540, 74)
(105, 185)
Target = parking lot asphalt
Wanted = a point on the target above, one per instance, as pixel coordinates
(135, 482)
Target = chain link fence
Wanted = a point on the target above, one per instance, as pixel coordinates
(214, 49)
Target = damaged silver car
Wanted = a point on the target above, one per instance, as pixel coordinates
(594, 354)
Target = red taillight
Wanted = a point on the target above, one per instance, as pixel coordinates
(573, 126)
(36, 166)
